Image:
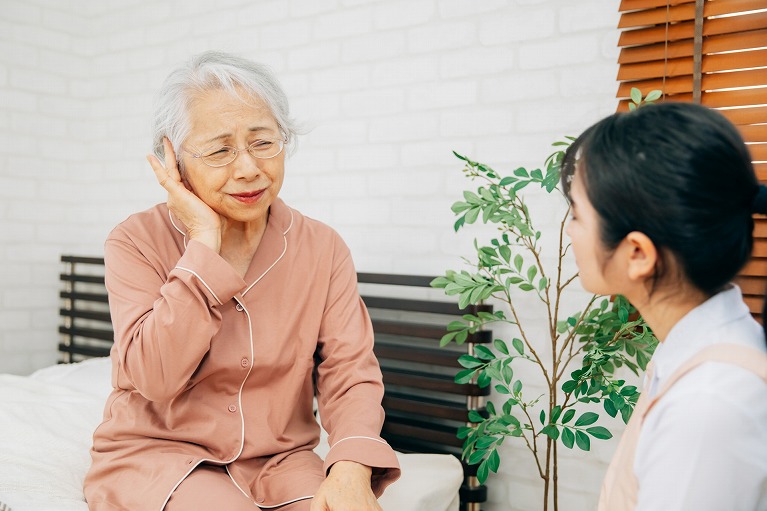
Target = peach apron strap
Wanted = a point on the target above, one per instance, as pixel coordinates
(620, 487)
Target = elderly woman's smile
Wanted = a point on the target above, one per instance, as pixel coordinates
(243, 189)
(248, 197)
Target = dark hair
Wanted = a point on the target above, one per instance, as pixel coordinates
(681, 174)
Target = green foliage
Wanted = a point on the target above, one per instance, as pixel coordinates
(588, 347)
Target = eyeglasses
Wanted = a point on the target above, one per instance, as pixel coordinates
(263, 149)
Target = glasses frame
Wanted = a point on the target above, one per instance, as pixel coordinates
(238, 150)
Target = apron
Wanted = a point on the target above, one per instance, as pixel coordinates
(620, 486)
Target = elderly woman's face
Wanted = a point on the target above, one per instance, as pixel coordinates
(244, 189)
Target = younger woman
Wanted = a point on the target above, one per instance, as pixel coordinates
(661, 200)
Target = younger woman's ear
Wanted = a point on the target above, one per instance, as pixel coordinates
(642, 256)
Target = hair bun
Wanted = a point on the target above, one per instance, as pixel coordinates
(760, 201)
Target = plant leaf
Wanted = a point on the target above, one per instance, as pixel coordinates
(599, 432)
(582, 440)
(587, 419)
(568, 439)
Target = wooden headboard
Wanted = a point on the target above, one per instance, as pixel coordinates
(424, 406)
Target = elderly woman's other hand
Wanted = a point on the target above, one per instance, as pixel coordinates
(203, 224)
(346, 488)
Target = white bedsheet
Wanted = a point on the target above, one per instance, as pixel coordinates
(46, 423)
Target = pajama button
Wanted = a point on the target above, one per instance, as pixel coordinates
(244, 362)
(232, 408)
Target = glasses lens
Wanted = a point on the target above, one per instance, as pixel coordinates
(219, 157)
(265, 148)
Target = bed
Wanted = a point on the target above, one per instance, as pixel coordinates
(47, 418)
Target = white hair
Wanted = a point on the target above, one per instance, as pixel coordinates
(213, 70)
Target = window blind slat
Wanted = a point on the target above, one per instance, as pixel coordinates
(744, 97)
(684, 48)
(758, 152)
(684, 12)
(644, 70)
(684, 66)
(742, 116)
(685, 29)
(675, 85)
(748, 78)
(647, 17)
(754, 132)
(636, 5)
(761, 175)
(737, 60)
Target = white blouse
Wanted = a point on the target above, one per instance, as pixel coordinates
(703, 447)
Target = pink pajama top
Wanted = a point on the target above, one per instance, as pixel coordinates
(209, 367)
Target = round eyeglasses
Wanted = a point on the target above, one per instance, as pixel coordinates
(264, 148)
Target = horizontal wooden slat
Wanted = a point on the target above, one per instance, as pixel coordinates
(408, 329)
(88, 333)
(655, 16)
(752, 285)
(86, 351)
(654, 69)
(760, 226)
(746, 78)
(743, 97)
(422, 431)
(473, 494)
(425, 407)
(754, 304)
(436, 383)
(99, 261)
(760, 247)
(685, 48)
(758, 152)
(433, 356)
(761, 171)
(81, 314)
(635, 5)
(86, 297)
(395, 279)
(406, 444)
(747, 115)
(733, 60)
(91, 279)
(673, 85)
(685, 11)
(754, 132)
(709, 83)
(400, 304)
(755, 267)
(685, 29)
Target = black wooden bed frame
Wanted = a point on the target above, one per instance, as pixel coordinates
(424, 407)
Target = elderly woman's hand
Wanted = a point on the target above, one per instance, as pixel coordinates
(202, 223)
(346, 488)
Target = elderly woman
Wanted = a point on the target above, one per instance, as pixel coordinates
(231, 310)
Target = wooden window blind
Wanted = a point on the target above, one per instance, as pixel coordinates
(712, 52)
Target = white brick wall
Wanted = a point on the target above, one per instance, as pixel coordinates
(389, 88)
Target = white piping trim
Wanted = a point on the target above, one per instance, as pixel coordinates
(263, 506)
(235, 482)
(170, 216)
(359, 438)
(284, 250)
(201, 280)
(290, 226)
(175, 487)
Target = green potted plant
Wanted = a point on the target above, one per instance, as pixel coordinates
(584, 349)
